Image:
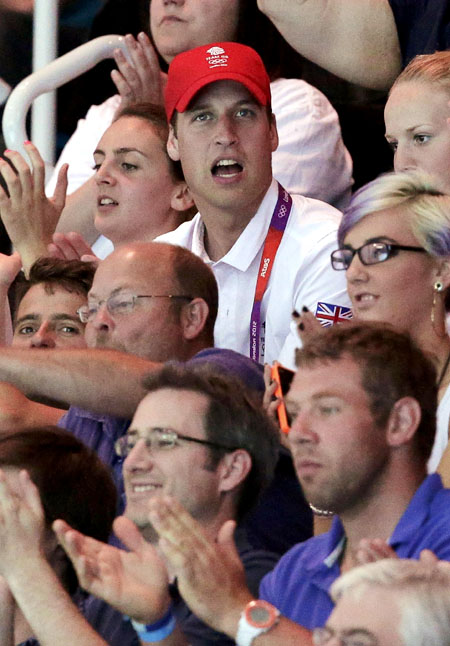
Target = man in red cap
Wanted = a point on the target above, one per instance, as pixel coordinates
(269, 251)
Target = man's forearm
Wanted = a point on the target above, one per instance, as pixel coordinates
(103, 381)
(354, 39)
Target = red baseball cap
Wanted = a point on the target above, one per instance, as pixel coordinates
(190, 71)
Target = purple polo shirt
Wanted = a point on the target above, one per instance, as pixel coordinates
(299, 584)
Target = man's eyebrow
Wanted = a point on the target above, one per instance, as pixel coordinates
(63, 316)
(115, 291)
(205, 105)
(360, 632)
(27, 317)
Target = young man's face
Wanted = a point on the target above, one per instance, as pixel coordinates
(183, 471)
(179, 26)
(339, 452)
(225, 142)
(47, 318)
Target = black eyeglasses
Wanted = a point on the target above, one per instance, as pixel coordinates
(118, 304)
(159, 439)
(370, 253)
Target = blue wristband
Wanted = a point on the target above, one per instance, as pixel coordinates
(157, 631)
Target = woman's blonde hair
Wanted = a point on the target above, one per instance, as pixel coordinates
(429, 68)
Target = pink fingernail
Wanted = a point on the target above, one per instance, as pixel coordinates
(27, 142)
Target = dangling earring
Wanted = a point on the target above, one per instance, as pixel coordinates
(437, 289)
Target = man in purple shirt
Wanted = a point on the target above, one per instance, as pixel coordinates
(362, 405)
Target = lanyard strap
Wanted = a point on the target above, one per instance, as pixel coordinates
(277, 226)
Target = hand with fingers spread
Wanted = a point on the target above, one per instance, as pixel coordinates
(71, 246)
(29, 216)
(210, 576)
(140, 80)
(134, 582)
(22, 525)
(370, 550)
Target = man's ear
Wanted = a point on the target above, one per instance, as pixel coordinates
(181, 199)
(403, 421)
(193, 318)
(172, 145)
(273, 133)
(233, 469)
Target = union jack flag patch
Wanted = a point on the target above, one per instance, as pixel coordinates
(329, 314)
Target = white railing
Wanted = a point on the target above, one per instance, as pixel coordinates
(47, 79)
(45, 50)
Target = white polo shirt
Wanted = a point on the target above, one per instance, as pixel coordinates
(301, 274)
(310, 160)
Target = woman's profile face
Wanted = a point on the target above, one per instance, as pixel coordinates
(417, 117)
(399, 290)
(179, 26)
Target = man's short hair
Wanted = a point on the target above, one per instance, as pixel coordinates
(422, 591)
(234, 417)
(71, 275)
(195, 279)
(391, 367)
(73, 482)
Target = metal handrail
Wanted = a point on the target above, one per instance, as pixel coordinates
(57, 73)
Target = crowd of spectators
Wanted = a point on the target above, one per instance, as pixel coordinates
(221, 214)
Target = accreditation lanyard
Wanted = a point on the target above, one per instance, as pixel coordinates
(277, 226)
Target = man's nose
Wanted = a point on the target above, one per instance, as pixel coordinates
(44, 337)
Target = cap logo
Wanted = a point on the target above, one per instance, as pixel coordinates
(217, 57)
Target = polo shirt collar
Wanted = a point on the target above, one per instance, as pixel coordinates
(332, 543)
(249, 244)
(112, 427)
(417, 511)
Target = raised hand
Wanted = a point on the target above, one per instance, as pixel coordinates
(134, 582)
(141, 80)
(29, 216)
(210, 575)
(71, 246)
(22, 525)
